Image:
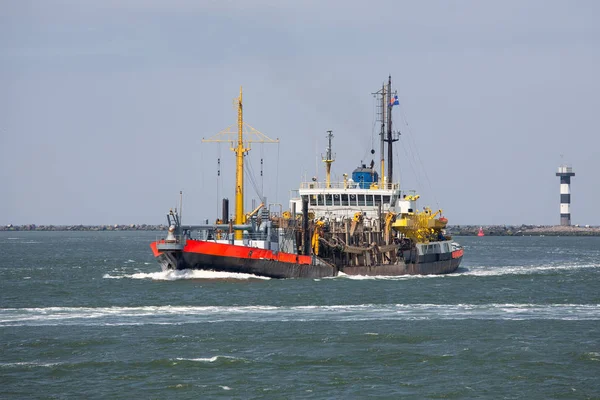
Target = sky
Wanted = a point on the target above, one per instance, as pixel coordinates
(104, 104)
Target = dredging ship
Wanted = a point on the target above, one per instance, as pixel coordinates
(364, 225)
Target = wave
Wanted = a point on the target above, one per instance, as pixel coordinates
(210, 359)
(524, 269)
(28, 364)
(88, 363)
(173, 275)
(178, 315)
(482, 271)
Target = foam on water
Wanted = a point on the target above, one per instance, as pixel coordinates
(176, 315)
(483, 271)
(208, 359)
(27, 364)
(523, 269)
(173, 275)
(386, 277)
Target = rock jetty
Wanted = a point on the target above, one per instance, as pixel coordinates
(456, 230)
(131, 227)
(523, 230)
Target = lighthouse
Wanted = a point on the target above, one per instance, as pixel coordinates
(565, 173)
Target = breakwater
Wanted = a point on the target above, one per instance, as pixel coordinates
(523, 230)
(456, 230)
(116, 227)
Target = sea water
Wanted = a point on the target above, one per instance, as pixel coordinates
(90, 315)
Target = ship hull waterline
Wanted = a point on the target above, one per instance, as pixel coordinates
(273, 268)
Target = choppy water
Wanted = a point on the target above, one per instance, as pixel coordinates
(89, 315)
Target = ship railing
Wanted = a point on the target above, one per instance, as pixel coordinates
(565, 169)
(231, 236)
(344, 185)
(212, 236)
(162, 239)
(162, 244)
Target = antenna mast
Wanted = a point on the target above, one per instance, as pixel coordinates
(328, 159)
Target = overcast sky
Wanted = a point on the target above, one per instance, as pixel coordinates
(103, 104)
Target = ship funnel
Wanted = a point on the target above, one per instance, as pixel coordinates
(225, 218)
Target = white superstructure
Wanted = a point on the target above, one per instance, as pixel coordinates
(345, 200)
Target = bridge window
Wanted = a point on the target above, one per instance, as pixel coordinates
(344, 199)
(328, 199)
(313, 200)
(386, 200)
(361, 199)
(336, 199)
(320, 200)
(369, 199)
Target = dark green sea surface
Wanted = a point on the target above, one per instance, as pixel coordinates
(90, 315)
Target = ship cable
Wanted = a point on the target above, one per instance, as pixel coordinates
(415, 150)
(372, 151)
(219, 179)
(262, 157)
(277, 175)
(249, 171)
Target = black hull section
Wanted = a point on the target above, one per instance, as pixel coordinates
(269, 268)
(424, 268)
(178, 260)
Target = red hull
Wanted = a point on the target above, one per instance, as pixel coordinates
(198, 254)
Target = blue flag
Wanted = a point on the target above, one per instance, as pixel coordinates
(394, 101)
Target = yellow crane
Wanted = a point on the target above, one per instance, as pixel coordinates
(240, 145)
(315, 237)
(419, 226)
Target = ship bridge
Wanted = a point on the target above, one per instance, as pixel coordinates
(344, 199)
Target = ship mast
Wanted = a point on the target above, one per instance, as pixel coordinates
(389, 132)
(328, 159)
(391, 136)
(239, 140)
(239, 170)
(384, 115)
(381, 113)
(382, 135)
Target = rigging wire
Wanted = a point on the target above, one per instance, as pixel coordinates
(277, 175)
(202, 169)
(219, 178)
(411, 165)
(262, 178)
(249, 170)
(371, 151)
(415, 150)
(397, 163)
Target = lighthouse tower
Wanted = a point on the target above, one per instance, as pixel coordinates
(565, 174)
